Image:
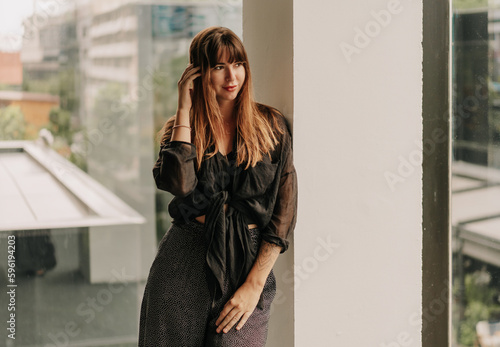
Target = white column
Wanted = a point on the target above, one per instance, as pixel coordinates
(356, 111)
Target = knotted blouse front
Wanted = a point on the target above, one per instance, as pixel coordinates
(265, 194)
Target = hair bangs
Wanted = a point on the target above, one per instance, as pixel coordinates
(232, 50)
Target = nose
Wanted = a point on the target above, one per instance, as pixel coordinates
(230, 73)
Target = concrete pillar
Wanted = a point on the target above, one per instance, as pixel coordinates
(356, 108)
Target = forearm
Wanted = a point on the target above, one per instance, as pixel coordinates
(267, 256)
(181, 133)
(181, 130)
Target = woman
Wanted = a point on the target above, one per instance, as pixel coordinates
(228, 162)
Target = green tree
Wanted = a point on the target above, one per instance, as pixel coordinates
(165, 96)
(60, 124)
(62, 84)
(165, 89)
(12, 123)
(49, 84)
(481, 305)
(67, 91)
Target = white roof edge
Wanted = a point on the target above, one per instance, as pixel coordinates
(64, 224)
(476, 171)
(108, 208)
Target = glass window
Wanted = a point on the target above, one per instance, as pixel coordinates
(85, 86)
(475, 212)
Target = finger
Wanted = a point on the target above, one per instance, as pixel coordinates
(224, 323)
(195, 76)
(225, 311)
(232, 322)
(227, 320)
(189, 72)
(189, 79)
(192, 66)
(243, 320)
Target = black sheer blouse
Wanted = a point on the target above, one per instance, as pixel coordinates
(265, 195)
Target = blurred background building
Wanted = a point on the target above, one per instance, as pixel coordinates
(11, 69)
(101, 76)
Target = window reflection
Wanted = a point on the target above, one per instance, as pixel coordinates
(93, 82)
(476, 173)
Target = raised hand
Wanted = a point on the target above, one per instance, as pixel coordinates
(185, 86)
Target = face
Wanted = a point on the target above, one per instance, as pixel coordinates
(227, 79)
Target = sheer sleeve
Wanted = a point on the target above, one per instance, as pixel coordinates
(174, 170)
(284, 214)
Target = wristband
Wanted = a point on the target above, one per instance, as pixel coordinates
(181, 126)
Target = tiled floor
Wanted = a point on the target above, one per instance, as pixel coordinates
(63, 309)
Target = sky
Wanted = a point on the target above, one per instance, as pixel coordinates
(12, 13)
(11, 17)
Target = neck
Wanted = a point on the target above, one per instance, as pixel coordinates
(226, 110)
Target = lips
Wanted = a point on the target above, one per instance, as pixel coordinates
(230, 88)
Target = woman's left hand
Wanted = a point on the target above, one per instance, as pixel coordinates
(238, 308)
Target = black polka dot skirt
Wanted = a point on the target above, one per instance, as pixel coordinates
(177, 306)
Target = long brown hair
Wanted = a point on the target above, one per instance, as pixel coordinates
(256, 126)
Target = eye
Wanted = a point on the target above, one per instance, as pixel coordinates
(238, 64)
(218, 67)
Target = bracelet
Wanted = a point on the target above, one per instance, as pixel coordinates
(181, 126)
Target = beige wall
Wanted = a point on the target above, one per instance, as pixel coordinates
(357, 117)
